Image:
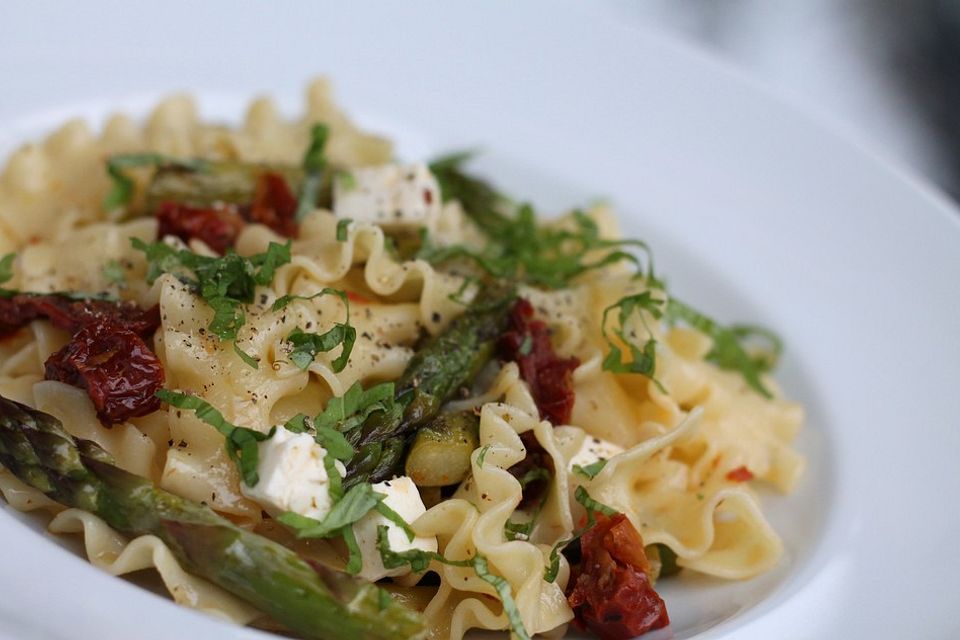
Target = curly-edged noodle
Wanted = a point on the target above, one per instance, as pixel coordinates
(686, 440)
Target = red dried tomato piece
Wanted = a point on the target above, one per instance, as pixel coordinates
(740, 474)
(611, 594)
(70, 315)
(274, 205)
(549, 376)
(217, 226)
(115, 366)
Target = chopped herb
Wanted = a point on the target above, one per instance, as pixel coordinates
(551, 256)
(642, 360)
(6, 267)
(333, 477)
(349, 411)
(518, 248)
(482, 455)
(358, 501)
(591, 505)
(283, 301)
(342, 227)
(121, 190)
(384, 509)
(419, 561)
(346, 180)
(457, 296)
(306, 346)
(242, 442)
(225, 283)
(334, 442)
(590, 471)
(246, 357)
(502, 587)
(314, 164)
(355, 556)
(668, 560)
(554, 567)
(522, 530)
(113, 273)
(728, 350)
(297, 424)
(527, 345)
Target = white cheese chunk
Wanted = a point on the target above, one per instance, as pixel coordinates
(292, 476)
(593, 450)
(392, 196)
(402, 497)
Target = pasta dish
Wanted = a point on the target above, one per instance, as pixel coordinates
(332, 394)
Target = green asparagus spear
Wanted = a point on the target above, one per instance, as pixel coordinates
(218, 182)
(442, 365)
(440, 453)
(313, 601)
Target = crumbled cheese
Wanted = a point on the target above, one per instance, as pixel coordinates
(403, 497)
(390, 195)
(593, 450)
(292, 476)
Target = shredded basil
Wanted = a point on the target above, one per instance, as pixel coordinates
(334, 442)
(522, 530)
(342, 227)
(518, 248)
(122, 185)
(592, 507)
(246, 357)
(225, 283)
(729, 350)
(419, 561)
(482, 455)
(590, 471)
(527, 345)
(349, 411)
(242, 443)
(283, 301)
(384, 509)
(6, 267)
(357, 502)
(306, 346)
(113, 273)
(642, 360)
(354, 555)
(314, 164)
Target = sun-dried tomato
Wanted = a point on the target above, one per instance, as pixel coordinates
(217, 226)
(115, 366)
(274, 205)
(107, 354)
(740, 474)
(611, 594)
(70, 315)
(549, 376)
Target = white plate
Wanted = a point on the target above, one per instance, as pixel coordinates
(754, 211)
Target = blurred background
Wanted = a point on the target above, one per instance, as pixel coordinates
(884, 72)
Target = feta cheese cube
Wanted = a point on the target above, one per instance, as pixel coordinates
(392, 196)
(402, 497)
(292, 476)
(593, 450)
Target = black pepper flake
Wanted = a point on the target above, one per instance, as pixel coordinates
(436, 317)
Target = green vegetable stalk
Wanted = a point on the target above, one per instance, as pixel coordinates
(313, 601)
(445, 363)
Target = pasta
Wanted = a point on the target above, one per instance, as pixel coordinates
(349, 310)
